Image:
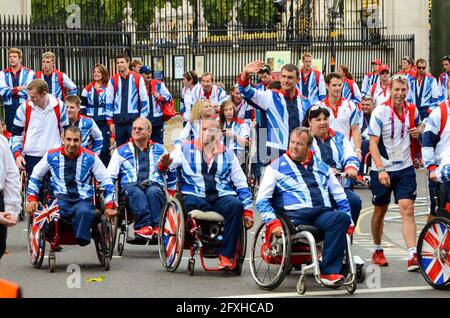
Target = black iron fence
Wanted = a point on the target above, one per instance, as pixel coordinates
(170, 52)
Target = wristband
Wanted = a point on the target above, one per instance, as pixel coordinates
(380, 170)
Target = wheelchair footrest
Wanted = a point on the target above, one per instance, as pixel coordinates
(141, 241)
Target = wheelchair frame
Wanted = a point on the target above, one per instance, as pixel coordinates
(280, 253)
(101, 233)
(174, 237)
(123, 221)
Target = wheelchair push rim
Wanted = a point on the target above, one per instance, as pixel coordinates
(433, 252)
(270, 264)
(172, 235)
(103, 242)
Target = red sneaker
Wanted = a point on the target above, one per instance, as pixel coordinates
(145, 232)
(379, 259)
(332, 279)
(225, 262)
(413, 264)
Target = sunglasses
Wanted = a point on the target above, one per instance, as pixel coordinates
(447, 57)
(367, 97)
(421, 68)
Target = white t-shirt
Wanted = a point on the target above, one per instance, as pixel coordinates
(395, 152)
(346, 115)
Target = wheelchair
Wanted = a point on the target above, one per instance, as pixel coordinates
(122, 229)
(300, 247)
(433, 245)
(59, 231)
(199, 232)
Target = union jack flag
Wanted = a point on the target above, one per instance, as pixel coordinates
(44, 215)
(435, 263)
(170, 235)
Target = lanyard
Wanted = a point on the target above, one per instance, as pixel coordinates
(402, 121)
(384, 90)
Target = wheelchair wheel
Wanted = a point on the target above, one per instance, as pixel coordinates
(301, 285)
(351, 288)
(270, 261)
(433, 252)
(171, 238)
(103, 242)
(35, 261)
(51, 262)
(241, 251)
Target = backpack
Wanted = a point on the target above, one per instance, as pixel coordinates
(60, 81)
(167, 108)
(416, 147)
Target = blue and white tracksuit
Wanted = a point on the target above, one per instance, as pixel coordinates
(443, 80)
(245, 112)
(369, 80)
(91, 136)
(435, 146)
(132, 167)
(155, 114)
(219, 185)
(93, 104)
(308, 87)
(350, 91)
(302, 193)
(261, 136)
(337, 152)
(185, 101)
(283, 113)
(216, 97)
(11, 97)
(424, 94)
(125, 103)
(71, 181)
(240, 128)
(54, 87)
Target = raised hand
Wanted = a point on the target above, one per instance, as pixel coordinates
(254, 67)
(165, 160)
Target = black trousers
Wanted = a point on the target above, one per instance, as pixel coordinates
(3, 230)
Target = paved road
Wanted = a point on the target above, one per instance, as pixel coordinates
(138, 273)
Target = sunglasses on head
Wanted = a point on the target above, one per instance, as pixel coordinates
(399, 76)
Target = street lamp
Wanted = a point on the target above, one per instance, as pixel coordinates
(333, 13)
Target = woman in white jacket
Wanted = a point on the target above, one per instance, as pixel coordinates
(9, 192)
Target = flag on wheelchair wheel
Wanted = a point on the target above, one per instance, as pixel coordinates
(44, 215)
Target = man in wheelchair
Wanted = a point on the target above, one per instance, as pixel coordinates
(212, 179)
(299, 186)
(137, 165)
(72, 168)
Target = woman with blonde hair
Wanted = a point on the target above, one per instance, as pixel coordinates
(201, 110)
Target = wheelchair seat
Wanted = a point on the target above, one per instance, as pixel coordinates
(316, 233)
(211, 216)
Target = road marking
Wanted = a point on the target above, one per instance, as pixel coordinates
(334, 293)
(364, 212)
(117, 256)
